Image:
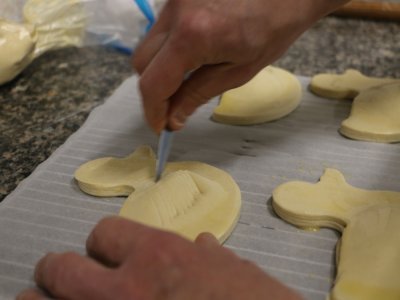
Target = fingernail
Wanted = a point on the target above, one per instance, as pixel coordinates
(179, 118)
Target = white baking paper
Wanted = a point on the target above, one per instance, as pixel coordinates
(48, 212)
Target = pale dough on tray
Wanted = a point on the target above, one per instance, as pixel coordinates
(345, 86)
(272, 94)
(368, 255)
(190, 198)
(375, 115)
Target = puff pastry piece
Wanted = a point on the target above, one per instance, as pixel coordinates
(272, 94)
(368, 254)
(345, 86)
(190, 198)
(375, 115)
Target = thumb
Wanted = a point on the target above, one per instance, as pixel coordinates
(202, 85)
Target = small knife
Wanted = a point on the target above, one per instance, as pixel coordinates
(164, 147)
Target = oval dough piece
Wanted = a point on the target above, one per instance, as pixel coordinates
(272, 94)
(375, 115)
(345, 86)
(190, 198)
(368, 254)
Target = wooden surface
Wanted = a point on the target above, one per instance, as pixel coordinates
(381, 10)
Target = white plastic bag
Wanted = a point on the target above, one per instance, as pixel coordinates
(117, 22)
(11, 9)
(28, 28)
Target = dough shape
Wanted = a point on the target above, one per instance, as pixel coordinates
(345, 86)
(368, 254)
(272, 94)
(17, 46)
(375, 115)
(190, 198)
(48, 25)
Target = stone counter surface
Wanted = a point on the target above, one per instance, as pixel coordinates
(53, 96)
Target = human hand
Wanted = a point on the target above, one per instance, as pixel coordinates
(223, 43)
(131, 261)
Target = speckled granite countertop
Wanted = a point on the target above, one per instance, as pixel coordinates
(52, 98)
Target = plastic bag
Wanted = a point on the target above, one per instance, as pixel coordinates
(115, 22)
(11, 9)
(28, 28)
(120, 23)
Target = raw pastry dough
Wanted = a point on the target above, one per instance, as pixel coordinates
(368, 255)
(48, 25)
(272, 94)
(375, 115)
(191, 197)
(17, 46)
(345, 86)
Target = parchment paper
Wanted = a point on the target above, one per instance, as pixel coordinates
(48, 212)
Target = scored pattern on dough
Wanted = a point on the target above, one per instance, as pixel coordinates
(191, 197)
(179, 201)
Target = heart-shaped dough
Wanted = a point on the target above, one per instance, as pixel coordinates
(190, 198)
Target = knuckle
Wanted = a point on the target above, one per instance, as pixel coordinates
(102, 225)
(96, 237)
(195, 27)
(194, 99)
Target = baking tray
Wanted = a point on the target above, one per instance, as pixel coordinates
(48, 212)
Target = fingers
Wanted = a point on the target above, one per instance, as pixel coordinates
(207, 240)
(173, 48)
(161, 79)
(203, 84)
(153, 42)
(71, 276)
(111, 241)
(157, 63)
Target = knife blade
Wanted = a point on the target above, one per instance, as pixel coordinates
(164, 147)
